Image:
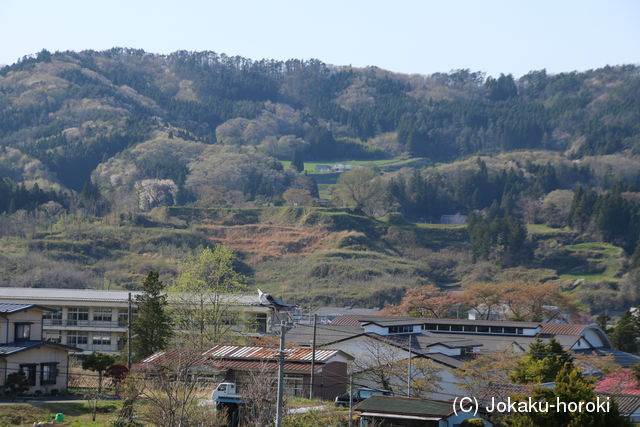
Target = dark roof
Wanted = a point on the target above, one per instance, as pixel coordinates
(9, 308)
(340, 311)
(355, 320)
(505, 323)
(626, 360)
(325, 334)
(627, 403)
(19, 346)
(406, 406)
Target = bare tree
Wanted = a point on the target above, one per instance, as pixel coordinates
(259, 394)
(171, 393)
(386, 365)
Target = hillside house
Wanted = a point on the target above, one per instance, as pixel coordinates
(23, 349)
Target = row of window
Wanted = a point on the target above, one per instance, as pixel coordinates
(80, 338)
(473, 328)
(48, 373)
(75, 314)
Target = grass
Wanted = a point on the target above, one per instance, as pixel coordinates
(546, 230)
(608, 258)
(75, 413)
(384, 164)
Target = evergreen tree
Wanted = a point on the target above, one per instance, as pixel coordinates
(297, 162)
(541, 363)
(625, 333)
(153, 323)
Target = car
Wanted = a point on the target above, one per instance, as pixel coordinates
(359, 395)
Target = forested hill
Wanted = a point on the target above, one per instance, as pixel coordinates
(66, 116)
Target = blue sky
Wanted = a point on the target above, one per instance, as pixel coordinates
(511, 36)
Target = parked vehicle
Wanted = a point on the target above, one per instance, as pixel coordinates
(359, 395)
(225, 392)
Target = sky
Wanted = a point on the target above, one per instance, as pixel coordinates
(409, 36)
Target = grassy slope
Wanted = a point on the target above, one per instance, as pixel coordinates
(302, 254)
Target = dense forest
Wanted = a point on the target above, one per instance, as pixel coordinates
(105, 137)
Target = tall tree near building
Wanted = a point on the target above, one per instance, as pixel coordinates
(541, 363)
(152, 326)
(205, 293)
(625, 333)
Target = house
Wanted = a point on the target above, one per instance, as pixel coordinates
(235, 363)
(395, 411)
(22, 348)
(96, 320)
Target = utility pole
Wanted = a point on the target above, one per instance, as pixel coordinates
(129, 334)
(350, 399)
(409, 372)
(283, 331)
(313, 357)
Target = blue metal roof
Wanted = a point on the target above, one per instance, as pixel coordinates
(18, 346)
(7, 307)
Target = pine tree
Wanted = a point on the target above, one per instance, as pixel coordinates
(153, 323)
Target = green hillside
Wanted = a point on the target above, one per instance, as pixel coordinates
(113, 163)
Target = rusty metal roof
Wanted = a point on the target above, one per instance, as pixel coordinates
(562, 329)
(262, 353)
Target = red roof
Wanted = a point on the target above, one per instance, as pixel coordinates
(562, 329)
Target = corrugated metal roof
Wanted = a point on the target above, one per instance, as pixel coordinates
(562, 329)
(261, 353)
(406, 406)
(257, 364)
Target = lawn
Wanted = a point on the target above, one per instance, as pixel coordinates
(75, 413)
